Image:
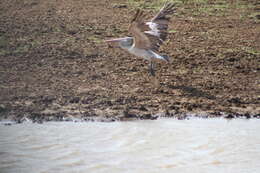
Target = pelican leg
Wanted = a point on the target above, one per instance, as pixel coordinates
(153, 78)
(151, 68)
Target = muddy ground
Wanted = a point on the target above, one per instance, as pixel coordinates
(55, 65)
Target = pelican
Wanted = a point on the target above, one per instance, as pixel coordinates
(147, 36)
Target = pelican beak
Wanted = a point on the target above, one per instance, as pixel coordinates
(113, 42)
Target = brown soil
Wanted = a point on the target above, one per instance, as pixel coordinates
(54, 65)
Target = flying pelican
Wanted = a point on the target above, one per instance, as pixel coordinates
(147, 36)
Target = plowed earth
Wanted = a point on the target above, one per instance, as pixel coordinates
(55, 65)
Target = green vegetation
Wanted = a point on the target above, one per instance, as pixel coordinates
(172, 31)
(95, 39)
(3, 45)
(251, 50)
(194, 7)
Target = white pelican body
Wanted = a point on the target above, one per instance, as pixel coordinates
(147, 36)
(146, 54)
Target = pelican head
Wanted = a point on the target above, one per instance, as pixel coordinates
(124, 43)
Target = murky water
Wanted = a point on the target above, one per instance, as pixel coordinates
(166, 145)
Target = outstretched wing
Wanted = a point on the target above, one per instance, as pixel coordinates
(150, 35)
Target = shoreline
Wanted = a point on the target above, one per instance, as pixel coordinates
(39, 119)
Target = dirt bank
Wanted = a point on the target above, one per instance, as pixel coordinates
(54, 65)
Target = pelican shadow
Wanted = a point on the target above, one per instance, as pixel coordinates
(192, 92)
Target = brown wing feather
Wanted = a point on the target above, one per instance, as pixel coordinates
(136, 28)
(162, 20)
(146, 37)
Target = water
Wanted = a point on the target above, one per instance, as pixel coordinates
(165, 145)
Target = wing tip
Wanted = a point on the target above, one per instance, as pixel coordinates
(139, 15)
